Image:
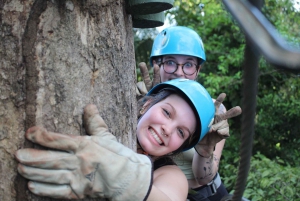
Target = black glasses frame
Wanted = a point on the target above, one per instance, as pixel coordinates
(177, 64)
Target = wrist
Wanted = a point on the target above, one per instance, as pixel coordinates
(205, 153)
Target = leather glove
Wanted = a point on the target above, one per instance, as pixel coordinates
(220, 128)
(144, 86)
(87, 166)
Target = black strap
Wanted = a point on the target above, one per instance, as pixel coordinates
(162, 162)
(203, 192)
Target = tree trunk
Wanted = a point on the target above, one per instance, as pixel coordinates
(55, 57)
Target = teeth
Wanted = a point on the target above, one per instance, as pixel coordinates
(155, 136)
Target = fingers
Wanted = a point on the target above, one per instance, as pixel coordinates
(220, 125)
(52, 190)
(46, 159)
(93, 122)
(222, 115)
(233, 112)
(52, 140)
(156, 75)
(141, 88)
(45, 175)
(224, 132)
(145, 75)
(218, 101)
(222, 128)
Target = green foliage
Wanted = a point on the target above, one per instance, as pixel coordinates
(229, 162)
(267, 179)
(283, 16)
(282, 125)
(278, 92)
(274, 173)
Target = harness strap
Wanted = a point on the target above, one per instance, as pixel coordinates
(209, 189)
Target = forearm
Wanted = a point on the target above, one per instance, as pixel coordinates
(205, 169)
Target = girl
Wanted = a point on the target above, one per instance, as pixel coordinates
(174, 116)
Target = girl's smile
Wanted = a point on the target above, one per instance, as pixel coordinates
(155, 136)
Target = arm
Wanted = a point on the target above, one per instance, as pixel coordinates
(205, 169)
(86, 166)
(209, 149)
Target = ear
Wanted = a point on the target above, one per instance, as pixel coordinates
(198, 71)
(200, 66)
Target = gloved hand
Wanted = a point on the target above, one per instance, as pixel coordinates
(220, 128)
(147, 84)
(87, 166)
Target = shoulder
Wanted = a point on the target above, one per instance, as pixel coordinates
(171, 180)
(168, 170)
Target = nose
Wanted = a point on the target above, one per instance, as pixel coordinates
(179, 72)
(167, 130)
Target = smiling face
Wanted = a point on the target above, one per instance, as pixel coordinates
(180, 59)
(166, 126)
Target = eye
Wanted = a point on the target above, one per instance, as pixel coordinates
(170, 63)
(181, 132)
(167, 113)
(189, 65)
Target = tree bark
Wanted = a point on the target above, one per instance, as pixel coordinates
(56, 56)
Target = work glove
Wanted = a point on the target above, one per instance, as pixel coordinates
(144, 86)
(220, 128)
(84, 166)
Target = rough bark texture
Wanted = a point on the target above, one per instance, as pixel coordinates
(56, 56)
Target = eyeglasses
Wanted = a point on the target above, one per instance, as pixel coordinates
(171, 67)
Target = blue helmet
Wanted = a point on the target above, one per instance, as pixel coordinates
(198, 98)
(178, 40)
